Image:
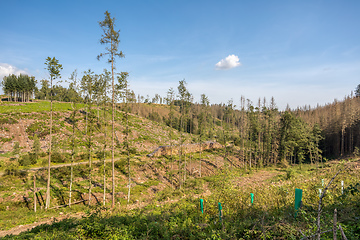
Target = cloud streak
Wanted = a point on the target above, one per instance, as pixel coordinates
(229, 62)
(6, 69)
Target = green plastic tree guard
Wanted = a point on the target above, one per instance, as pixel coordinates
(202, 205)
(298, 199)
(252, 198)
(220, 211)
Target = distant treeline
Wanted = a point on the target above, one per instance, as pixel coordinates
(59, 93)
(23, 88)
(258, 135)
(19, 88)
(266, 135)
(340, 125)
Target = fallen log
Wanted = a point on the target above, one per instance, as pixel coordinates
(186, 148)
(68, 204)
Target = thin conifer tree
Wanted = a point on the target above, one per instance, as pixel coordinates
(74, 85)
(53, 67)
(170, 102)
(111, 38)
(204, 101)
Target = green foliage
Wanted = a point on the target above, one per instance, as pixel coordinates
(16, 148)
(53, 67)
(120, 165)
(40, 129)
(298, 139)
(4, 139)
(8, 120)
(289, 174)
(12, 168)
(36, 148)
(356, 152)
(154, 116)
(27, 159)
(59, 93)
(57, 157)
(271, 216)
(19, 88)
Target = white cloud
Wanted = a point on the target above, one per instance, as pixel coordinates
(229, 62)
(6, 69)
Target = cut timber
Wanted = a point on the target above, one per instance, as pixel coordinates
(68, 204)
(186, 148)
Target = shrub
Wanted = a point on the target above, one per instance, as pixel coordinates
(27, 159)
(9, 120)
(42, 154)
(57, 157)
(356, 152)
(12, 168)
(121, 165)
(16, 148)
(38, 128)
(154, 116)
(4, 139)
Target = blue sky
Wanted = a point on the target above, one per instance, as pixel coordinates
(299, 52)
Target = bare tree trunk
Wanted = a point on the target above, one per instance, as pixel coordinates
(342, 233)
(334, 224)
(113, 132)
(181, 143)
(72, 160)
(200, 157)
(104, 180)
(342, 141)
(90, 161)
(184, 169)
(128, 200)
(250, 159)
(171, 160)
(49, 162)
(318, 231)
(34, 193)
(127, 140)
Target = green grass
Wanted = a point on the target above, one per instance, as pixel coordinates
(38, 106)
(23, 215)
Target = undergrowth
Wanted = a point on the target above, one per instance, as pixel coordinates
(270, 216)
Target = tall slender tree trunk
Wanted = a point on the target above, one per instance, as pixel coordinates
(90, 162)
(351, 142)
(342, 140)
(104, 172)
(49, 161)
(243, 152)
(200, 158)
(181, 147)
(250, 156)
(113, 131)
(72, 159)
(190, 154)
(127, 140)
(35, 193)
(170, 143)
(171, 151)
